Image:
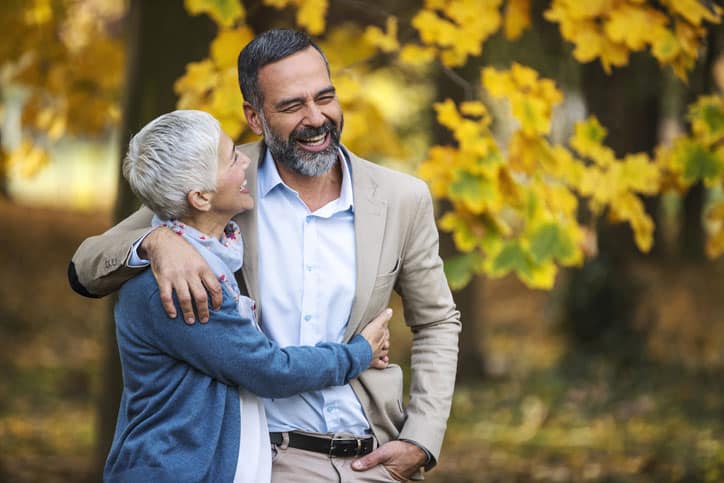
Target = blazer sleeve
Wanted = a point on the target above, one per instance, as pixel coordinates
(431, 314)
(232, 350)
(99, 265)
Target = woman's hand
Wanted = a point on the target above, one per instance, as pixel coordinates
(378, 336)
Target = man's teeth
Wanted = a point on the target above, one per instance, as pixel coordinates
(315, 140)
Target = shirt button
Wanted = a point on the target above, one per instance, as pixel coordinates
(307, 317)
(308, 219)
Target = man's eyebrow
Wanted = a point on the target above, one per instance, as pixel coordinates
(300, 100)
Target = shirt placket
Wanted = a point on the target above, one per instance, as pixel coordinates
(309, 326)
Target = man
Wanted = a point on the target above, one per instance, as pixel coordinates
(331, 237)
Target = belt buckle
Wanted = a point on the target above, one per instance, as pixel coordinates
(357, 450)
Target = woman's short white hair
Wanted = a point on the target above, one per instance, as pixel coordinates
(171, 156)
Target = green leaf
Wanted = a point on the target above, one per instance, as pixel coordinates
(550, 241)
(700, 163)
(713, 117)
(475, 191)
(224, 12)
(459, 269)
(512, 258)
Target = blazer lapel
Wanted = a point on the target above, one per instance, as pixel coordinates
(248, 222)
(370, 214)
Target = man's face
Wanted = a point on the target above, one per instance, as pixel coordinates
(301, 117)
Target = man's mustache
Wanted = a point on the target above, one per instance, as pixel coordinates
(307, 132)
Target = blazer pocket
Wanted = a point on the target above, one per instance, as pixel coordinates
(385, 279)
(395, 408)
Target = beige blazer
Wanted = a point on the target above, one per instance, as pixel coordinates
(396, 248)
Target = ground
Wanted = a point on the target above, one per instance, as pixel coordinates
(544, 413)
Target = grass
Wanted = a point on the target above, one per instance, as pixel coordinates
(546, 412)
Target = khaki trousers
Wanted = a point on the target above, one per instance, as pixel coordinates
(292, 465)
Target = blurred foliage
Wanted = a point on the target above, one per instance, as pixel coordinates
(67, 57)
(514, 204)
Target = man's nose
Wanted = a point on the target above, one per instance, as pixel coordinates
(314, 116)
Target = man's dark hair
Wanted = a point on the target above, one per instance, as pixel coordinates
(266, 48)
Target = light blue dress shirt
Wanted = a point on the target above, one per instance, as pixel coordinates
(307, 276)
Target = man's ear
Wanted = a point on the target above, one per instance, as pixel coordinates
(253, 119)
(200, 200)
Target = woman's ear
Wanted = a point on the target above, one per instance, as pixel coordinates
(200, 200)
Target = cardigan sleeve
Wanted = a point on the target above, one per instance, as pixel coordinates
(232, 350)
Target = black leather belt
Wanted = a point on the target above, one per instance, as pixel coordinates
(347, 446)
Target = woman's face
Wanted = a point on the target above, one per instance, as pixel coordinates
(232, 195)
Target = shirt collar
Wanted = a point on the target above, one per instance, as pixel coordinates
(269, 179)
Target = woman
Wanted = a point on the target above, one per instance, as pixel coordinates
(189, 410)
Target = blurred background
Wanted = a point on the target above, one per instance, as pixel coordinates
(575, 151)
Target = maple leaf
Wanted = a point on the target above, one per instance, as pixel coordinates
(385, 41)
(413, 54)
(224, 12)
(635, 26)
(517, 18)
(227, 44)
(311, 15)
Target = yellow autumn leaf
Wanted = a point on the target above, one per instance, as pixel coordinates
(628, 207)
(223, 12)
(228, 43)
(633, 25)
(447, 114)
(225, 98)
(542, 276)
(695, 11)
(532, 113)
(665, 46)
(638, 173)
(198, 80)
(342, 47)
(433, 30)
(498, 83)
(311, 15)
(474, 108)
(587, 9)
(385, 41)
(548, 91)
(524, 77)
(278, 4)
(613, 54)
(436, 170)
(517, 18)
(413, 54)
(589, 44)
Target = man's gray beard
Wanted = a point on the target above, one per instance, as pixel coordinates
(298, 160)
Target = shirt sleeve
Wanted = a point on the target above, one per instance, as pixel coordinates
(134, 259)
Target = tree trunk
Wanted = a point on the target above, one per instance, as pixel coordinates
(162, 39)
(471, 360)
(4, 189)
(692, 239)
(603, 295)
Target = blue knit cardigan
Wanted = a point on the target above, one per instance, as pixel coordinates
(179, 417)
